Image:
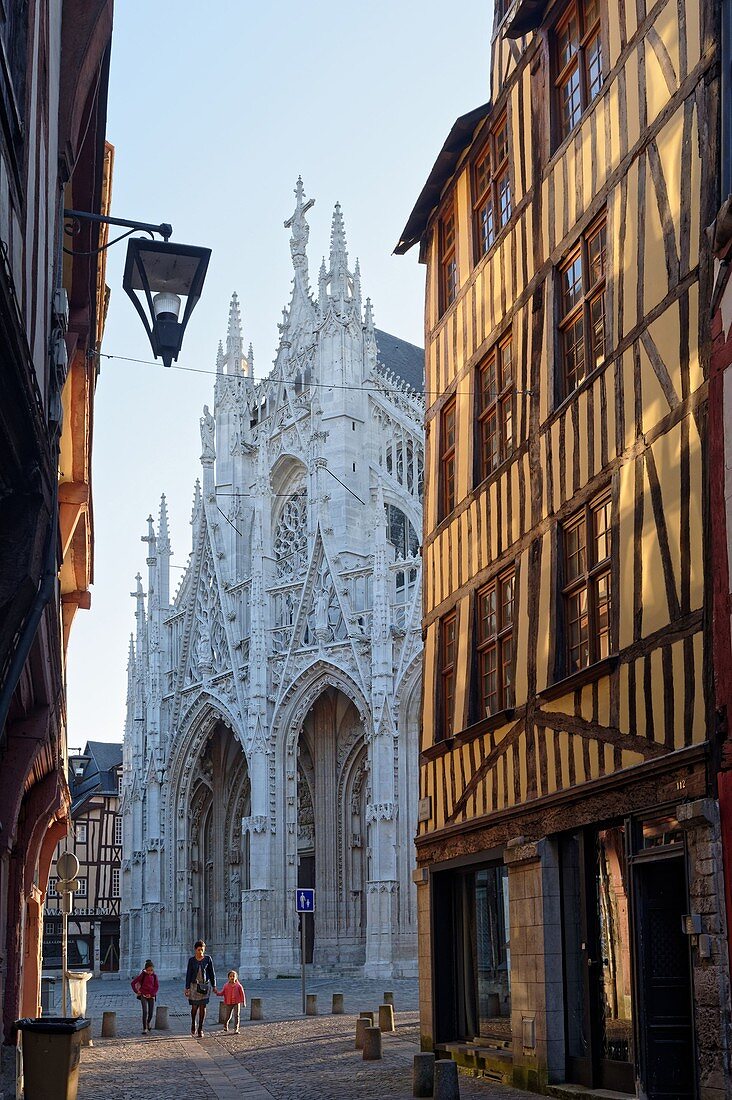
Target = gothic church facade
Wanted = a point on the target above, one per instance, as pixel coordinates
(271, 739)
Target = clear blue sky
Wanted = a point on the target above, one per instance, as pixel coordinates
(214, 110)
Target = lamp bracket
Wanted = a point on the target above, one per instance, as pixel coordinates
(164, 229)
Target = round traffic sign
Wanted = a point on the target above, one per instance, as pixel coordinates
(67, 865)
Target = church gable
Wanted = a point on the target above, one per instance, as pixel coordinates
(208, 651)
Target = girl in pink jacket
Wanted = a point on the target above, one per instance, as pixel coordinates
(234, 996)
(145, 986)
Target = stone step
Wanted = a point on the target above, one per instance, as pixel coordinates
(481, 1059)
(568, 1091)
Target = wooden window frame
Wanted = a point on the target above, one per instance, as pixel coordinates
(579, 63)
(587, 580)
(583, 312)
(496, 643)
(448, 267)
(486, 188)
(448, 637)
(448, 458)
(495, 417)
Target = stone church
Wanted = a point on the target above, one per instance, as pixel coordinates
(273, 700)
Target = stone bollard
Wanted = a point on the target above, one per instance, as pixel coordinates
(447, 1085)
(161, 1018)
(223, 1014)
(423, 1074)
(389, 999)
(337, 1004)
(86, 1035)
(311, 1004)
(367, 1016)
(109, 1025)
(386, 1017)
(255, 1012)
(361, 1024)
(372, 1044)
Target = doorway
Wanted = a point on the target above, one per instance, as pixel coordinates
(664, 970)
(597, 967)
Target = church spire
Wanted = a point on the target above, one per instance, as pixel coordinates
(338, 256)
(163, 554)
(234, 341)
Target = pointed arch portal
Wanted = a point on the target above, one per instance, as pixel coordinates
(220, 795)
(332, 843)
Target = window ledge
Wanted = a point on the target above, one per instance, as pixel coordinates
(587, 382)
(517, 453)
(485, 725)
(438, 749)
(578, 679)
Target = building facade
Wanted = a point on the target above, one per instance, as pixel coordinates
(95, 781)
(571, 903)
(272, 716)
(53, 96)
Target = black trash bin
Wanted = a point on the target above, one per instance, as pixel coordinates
(51, 1052)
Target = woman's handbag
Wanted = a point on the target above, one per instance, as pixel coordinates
(203, 987)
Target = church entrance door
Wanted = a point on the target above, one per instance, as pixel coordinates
(331, 826)
(220, 797)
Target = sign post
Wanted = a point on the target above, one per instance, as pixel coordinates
(67, 868)
(304, 903)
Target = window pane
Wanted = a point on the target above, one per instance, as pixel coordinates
(567, 41)
(570, 103)
(506, 671)
(448, 232)
(489, 450)
(574, 355)
(487, 620)
(602, 597)
(507, 587)
(489, 680)
(450, 281)
(572, 284)
(448, 428)
(504, 198)
(506, 426)
(482, 174)
(601, 532)
(574, 551)
(578, 630)
(597, 321)
(486, 226)
(596, 245)
(488, 383)
(500, 142)
(591, 14)
(593, 61)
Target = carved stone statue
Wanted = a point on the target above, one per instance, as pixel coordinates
(208, 430)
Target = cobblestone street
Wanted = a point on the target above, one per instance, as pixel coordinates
(284, 1056)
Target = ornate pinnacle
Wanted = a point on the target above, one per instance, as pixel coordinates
(220, 359)
(338, 256)
(149, 538)
(322, 284)
(131, 653)
(369, 318)
(163, 533)
(250, 361)
(357, 287)
(233, 337)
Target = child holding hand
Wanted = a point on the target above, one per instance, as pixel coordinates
(234, 996)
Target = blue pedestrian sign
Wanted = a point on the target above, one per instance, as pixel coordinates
(304, 900)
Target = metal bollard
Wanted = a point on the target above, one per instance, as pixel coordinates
(361, 1024)
(223, 1014)
(372, 1044)
(447, 1085)
(423, 1074)
(337, 1004)
(255, 1012)
(161, 1018)
(389, 999)
(311, 1004)
(386, 1017)
(109, 1025)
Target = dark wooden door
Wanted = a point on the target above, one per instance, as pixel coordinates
(664, 981)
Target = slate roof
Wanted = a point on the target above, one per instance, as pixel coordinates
(402, 358)
(100, 772)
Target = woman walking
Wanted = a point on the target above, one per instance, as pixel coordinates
(200, 983)
(145, 986)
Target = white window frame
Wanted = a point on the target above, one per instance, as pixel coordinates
(118, 830)
(115, 882)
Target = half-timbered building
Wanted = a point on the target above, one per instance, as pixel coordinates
(570, 895)
(95, 781)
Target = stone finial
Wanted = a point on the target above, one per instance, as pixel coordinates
(357, 288)
(322, 285)
(163, 530)
(250, 362)
(131, 653)
(220, 359)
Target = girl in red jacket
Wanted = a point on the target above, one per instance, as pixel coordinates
(145, 986)
(234, 996)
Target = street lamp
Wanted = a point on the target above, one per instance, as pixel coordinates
(157, 276)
